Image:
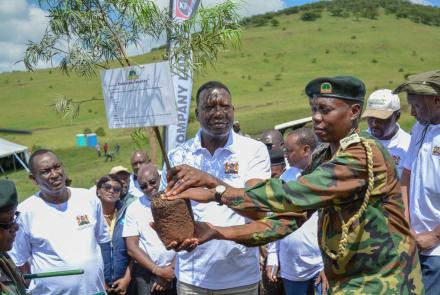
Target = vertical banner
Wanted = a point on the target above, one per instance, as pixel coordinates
(182, 80)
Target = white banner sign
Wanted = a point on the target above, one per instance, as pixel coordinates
(176, 134)
(139, 96)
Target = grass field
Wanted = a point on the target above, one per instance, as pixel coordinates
(266, 77)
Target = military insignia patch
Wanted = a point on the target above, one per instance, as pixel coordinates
(82, 220)
(326, 88)
(349, 140)
(231, 168)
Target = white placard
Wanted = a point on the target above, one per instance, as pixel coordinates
(139, 96)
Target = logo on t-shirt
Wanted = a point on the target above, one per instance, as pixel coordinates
(231, 168)
(82, 220)
(436, 150)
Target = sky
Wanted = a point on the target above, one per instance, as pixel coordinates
(23, 20)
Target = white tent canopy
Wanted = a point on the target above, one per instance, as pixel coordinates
(8, 148)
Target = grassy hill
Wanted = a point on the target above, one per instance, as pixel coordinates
(266, 76)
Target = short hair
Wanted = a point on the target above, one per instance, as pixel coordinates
(35, 154)
(210, 86)
(107, 178)
(306, 136)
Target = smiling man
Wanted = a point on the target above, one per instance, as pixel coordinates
(60, 228)
(218, 267)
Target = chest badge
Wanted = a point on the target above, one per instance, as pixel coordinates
(231, 168)
(82, 220)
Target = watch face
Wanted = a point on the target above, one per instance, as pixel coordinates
(220, 189)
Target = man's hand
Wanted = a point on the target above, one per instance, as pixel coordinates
(271, 273)
(203, 232)
(166, 273)
(322, 279)
(201, 195)
(160, 285)
(182, 177)
(120, 286)
(426, 240)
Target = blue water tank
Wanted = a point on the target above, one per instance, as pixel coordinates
(92, 140)
(81, 140)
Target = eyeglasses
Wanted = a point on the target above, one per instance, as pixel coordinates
(7, 226)
(108, 187)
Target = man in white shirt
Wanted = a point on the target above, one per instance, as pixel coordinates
(137, 159)
(217, 267)
(154, 267)
(60, 229)
(298, 254)
(382, 113)
(421, 174)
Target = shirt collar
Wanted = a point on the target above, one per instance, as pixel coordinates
(229, 146)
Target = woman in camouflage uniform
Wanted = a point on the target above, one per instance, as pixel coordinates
(364, 238)
(11, 280)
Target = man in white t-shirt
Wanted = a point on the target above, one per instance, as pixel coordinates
(60, 229)
(217, 267)
(154, 267)
(382, 114)
(137, 159)
(298, 254)
(421, 174)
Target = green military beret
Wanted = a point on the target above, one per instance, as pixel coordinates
(345, 87)
(8, 195)
(427, 83)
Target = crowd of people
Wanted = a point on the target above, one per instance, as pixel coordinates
(323, 210)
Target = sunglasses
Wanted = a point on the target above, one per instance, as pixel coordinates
(7, 226)
(143, 186)
(108, 187)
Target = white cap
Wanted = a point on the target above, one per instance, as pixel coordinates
(382, 104)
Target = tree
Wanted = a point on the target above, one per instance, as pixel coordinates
(84, 35)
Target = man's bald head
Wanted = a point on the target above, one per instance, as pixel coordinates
(273, 139)
(137, 159)
(149, 179)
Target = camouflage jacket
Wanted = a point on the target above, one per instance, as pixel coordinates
(11, 280)
(381, 256)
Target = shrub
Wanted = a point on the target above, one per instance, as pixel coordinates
(87, 130)
(310, 16)
(314, 61)
(353, 37)
(401, 70)
(100, 131)
(274, 22)
(261, 89)
(374, 61)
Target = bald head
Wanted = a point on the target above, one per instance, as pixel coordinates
(273, 139)
(137, 159)
(149, 179)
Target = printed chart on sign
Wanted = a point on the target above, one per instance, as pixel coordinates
(139, 96)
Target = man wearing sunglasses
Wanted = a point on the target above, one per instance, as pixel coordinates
(11, 281)
(154, 267)
(60, 228)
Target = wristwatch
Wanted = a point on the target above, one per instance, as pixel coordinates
(219, 190)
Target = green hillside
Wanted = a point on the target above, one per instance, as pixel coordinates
(266, 77)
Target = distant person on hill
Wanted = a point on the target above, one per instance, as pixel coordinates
(98, 149)
(60, 228)
(105, 148)
(138, 158)
(421, 174)
(382, 114)
(117, 148)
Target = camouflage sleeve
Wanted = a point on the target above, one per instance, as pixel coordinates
(264, 231)
(336, 182)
